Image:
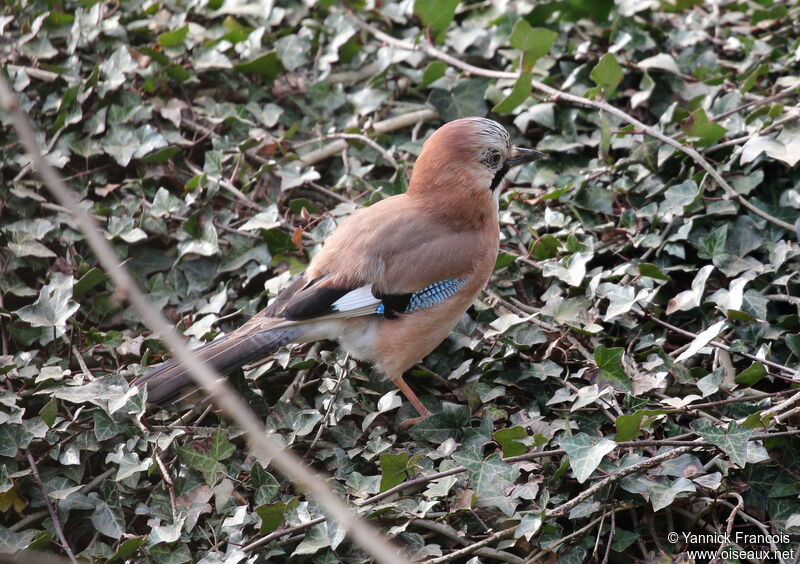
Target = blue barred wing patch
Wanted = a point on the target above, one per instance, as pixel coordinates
(430, 295)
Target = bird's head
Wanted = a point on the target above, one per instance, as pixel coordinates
(470, 156)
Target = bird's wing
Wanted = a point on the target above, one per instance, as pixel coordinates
(388, 258)
(398, 248)
(378, 261)
(309, 300)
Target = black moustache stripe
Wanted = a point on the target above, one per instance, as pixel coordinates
(498, 177)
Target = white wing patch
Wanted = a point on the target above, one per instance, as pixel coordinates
(357, 299)
(355, 303)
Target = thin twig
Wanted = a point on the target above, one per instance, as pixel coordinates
(610, 537)
(364, 139)
(241, 196)
(50, 508)
(30, 556)
(331, 401)
(558, 95)
(729, 525)
(792, 116)
(759, 397)
(785, 369)
(280, 533)
(217, 387)
(676, 442)
(578, 533)
(41, 74)
(749, 518)
(379, 127)
(615, 477)
(756, 103)
(162, 468)
(22, 523)
(321, 189)
(565, 507)
(449, 532)
(794, 300)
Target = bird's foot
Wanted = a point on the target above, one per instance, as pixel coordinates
(408, 423)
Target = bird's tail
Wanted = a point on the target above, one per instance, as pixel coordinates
(166, 381)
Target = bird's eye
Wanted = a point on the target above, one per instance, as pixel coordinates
(493, 159)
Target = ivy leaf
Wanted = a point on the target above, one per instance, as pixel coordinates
(527, 38)
(609, 361)
(509, 440)
(12, 542)
(316, 539)
(784, 147)
(13, 438)
(173, 38)
(439, 427)
(703, 131)
(751, 375)
(662, 495)
(629, 426)
(107, 517)
(168, 533)
(545, 247)
(585, 453)
(54, 304)
(607, 74)
(534, 42)
(652, 271)
(491, 479)
(436, 15)
(662, 61)
(677, 198)
(273, 514)
(127, 549)
(732, 441)
(206, 456)
(433, 72)
(394, 470)
(267, 65)
(518, 94)
(49, 412)
(205, 243)
(689, 299)
(466, 99)
(702, 339)
(530, 523)
(10, 499)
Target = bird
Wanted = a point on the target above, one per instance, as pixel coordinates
(394, 278)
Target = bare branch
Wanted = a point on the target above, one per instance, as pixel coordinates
(216, 386)
(385, 126)
(558, 95)
(53, 513)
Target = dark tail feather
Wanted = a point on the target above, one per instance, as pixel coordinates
(166, 381)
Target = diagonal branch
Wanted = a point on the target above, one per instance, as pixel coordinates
(783, 368)
(565, 507)
(217, 387)
(379, 127)
(558, 95)
(509, 460)
(53, 513)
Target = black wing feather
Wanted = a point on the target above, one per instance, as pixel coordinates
(313, 302)
(394, 304)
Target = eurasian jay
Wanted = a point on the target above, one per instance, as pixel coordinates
(394, 278)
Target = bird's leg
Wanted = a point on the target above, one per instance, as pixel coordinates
(415, 401)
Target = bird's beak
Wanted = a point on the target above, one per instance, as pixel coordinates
(522, 156)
